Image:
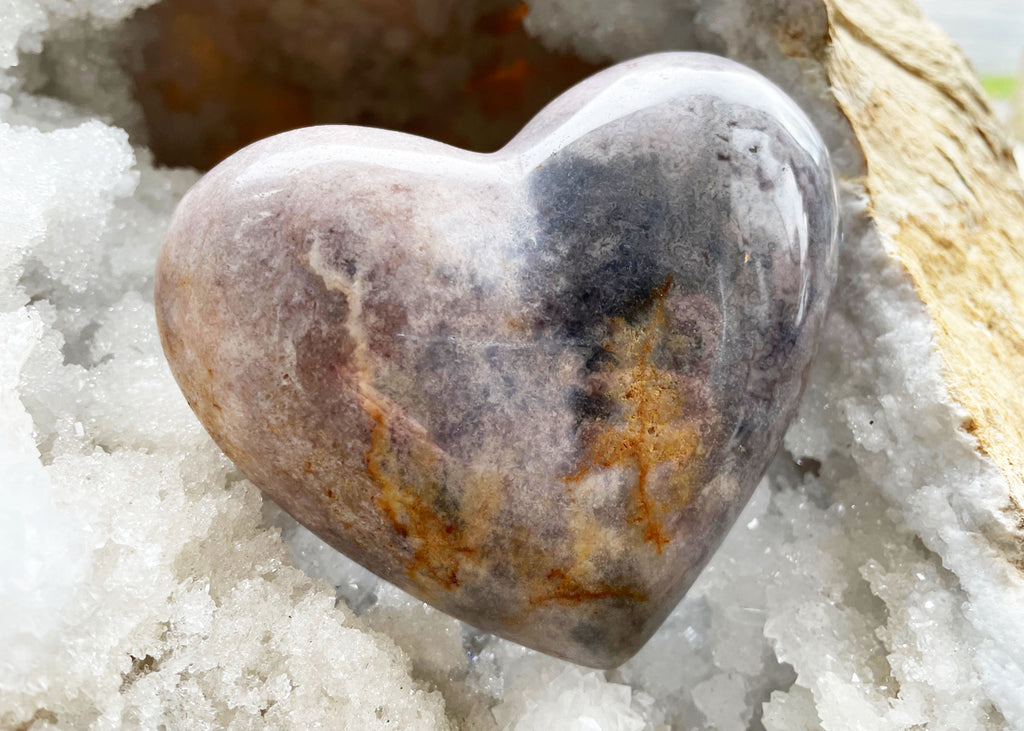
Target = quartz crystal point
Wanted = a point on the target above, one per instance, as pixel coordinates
(533, 388)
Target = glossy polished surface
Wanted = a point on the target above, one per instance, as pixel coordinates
(533, 388)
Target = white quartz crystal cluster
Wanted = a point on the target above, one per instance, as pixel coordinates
(144, 583)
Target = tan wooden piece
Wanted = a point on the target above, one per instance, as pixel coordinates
(944, 187)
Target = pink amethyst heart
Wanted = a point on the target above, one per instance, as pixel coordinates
(533, 388)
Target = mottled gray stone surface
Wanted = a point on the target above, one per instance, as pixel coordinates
(533, 388)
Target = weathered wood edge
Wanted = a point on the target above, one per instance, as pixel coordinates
(943, 186)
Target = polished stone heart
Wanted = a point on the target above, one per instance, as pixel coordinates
(533, 388)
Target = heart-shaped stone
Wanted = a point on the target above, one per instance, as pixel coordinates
(533, 388)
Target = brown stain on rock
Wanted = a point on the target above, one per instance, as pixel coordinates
(434, 541)
(407, 469)
(566, 588)
(652, 434)
(552, 577)
(441, 541)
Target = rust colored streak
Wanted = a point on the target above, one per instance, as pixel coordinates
(652, 434)
(439, 545)
(571, 591)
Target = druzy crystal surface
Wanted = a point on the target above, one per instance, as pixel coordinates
(535, 387)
